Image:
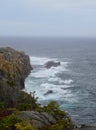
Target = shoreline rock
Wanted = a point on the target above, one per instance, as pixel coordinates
(85, 127)
(48, 92)
(50, 64)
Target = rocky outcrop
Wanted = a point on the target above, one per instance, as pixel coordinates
(14, 68)
(85, 127)
(38, 119)
(50, 64)
(48, 92)
(14, 64)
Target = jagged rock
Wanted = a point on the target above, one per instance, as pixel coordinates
(85, 127)
(50, 64)
(14, 68)
(38, 119)
(48, 92)
(18, 63)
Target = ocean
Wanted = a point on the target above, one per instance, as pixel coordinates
(73, 83)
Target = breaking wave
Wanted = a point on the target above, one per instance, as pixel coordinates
(43, 80)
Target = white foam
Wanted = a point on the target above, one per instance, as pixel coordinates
(54, 79)
(43, 72)
(57, 92)
(39, 60)
(60, 81)
(53, 87)
(41, 89)
(41, 79)
(68, 81)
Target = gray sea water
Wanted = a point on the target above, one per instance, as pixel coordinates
(73, 83)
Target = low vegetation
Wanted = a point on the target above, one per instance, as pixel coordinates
(13, 122)
(10, 119)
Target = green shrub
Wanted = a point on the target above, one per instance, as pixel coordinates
(56, 126)
(62, 125)
(23, 126)
(24, 107)
(10, 122)
(27, 101)
(1, 106)
(53, 109)
(63, 120)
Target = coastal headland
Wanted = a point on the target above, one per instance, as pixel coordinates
(20, 110)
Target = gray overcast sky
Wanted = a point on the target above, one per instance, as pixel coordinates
(75, 18)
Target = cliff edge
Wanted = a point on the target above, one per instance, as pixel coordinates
(14, 68)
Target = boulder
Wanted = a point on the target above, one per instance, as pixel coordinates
(48, 92)
(50, 64)
(38, 119)
(85, 127)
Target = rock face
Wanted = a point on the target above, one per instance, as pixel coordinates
(38, 119)
(50, 64)
(15, 64)
(14, 68)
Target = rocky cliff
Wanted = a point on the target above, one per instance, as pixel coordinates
(14, 68)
